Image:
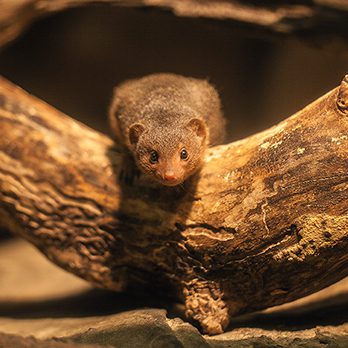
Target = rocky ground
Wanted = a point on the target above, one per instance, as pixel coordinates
(43, 306)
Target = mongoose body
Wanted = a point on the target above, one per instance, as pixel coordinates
(167, 121)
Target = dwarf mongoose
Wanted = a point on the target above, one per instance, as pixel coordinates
(167, 121)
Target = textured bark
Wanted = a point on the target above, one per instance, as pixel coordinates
(324, 16)
(265, 223)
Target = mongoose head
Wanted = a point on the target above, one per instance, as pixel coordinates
(169, 155)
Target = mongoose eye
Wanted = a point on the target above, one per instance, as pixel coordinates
(153, 156)
(183, 154)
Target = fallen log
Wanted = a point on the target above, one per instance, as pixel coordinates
(265, 222)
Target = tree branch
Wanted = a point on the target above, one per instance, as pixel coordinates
(265, 223)
(316, 16)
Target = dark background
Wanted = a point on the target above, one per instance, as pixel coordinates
(73, 59)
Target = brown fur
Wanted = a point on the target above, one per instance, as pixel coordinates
(167, 113)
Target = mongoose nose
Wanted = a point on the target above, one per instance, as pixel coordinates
(169, 176)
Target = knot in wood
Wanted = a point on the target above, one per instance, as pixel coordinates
(342, 97)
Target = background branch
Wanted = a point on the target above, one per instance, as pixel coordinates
(317, 16)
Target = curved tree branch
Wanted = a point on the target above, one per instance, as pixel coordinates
(265, 223)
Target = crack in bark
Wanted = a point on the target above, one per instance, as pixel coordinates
(206, 226)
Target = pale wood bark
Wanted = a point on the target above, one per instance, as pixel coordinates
(316, 16)
(266, 221)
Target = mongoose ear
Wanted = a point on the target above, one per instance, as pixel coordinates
(198, 126)
(135, 132)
